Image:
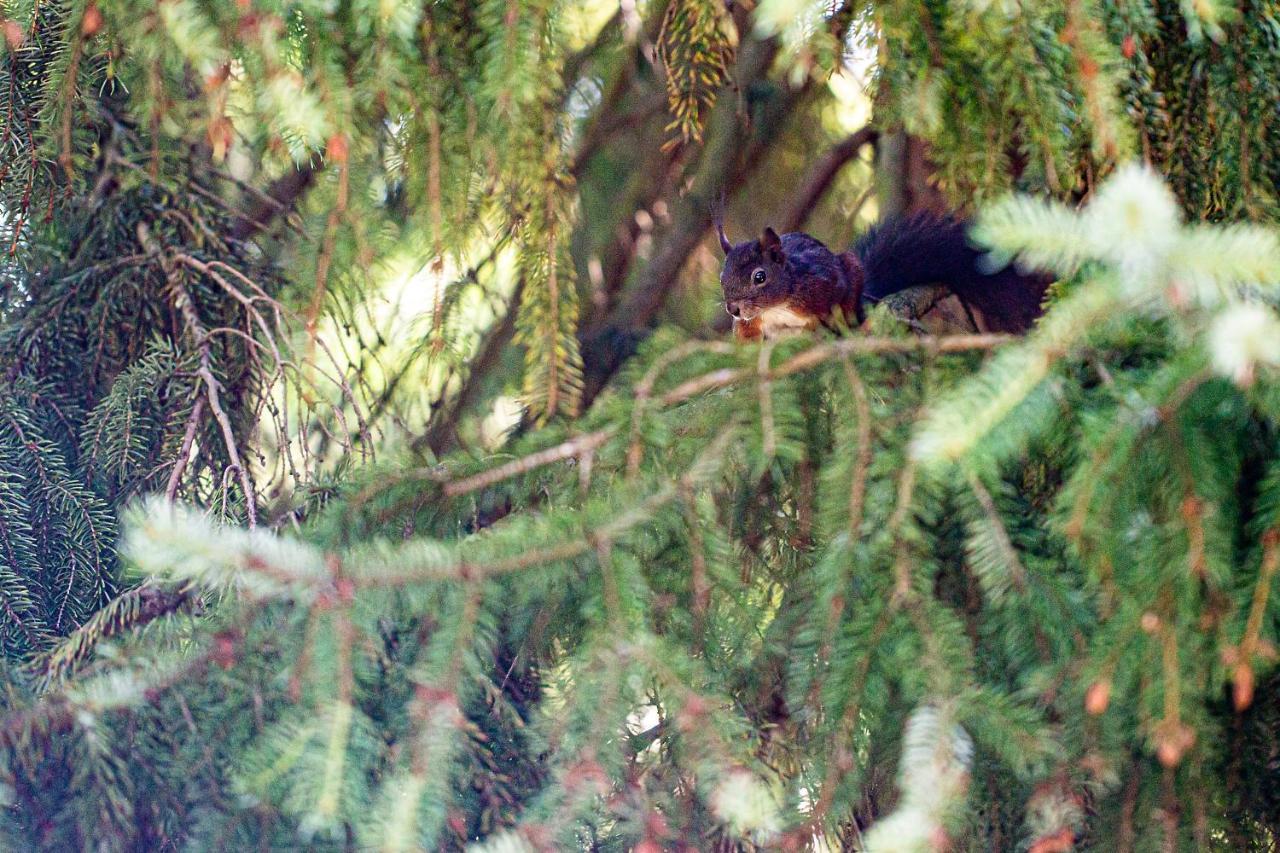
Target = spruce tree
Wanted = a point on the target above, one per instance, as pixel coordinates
(270, 576)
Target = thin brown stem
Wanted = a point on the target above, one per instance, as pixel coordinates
(184, 452)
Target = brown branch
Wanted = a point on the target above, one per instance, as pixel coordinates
(79, 33)
(184, 452)
(572, 448)
(822, 175)
(441, 435)
(279, 199)
(213, 388)
(857, 498)
(901, 545)
(589, 442)
(823, 352)
(715, 379)
(603, 131)
(904, 174)
(840, 759)
(186, 306)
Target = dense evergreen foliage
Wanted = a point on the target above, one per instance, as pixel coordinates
(375, 471)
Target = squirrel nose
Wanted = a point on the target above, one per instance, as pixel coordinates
(733, 308)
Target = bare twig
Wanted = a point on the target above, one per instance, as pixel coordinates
(184, 452)
(185, 305)
(570, 449)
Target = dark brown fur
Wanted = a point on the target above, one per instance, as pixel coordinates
(802, 276)
(799, 274)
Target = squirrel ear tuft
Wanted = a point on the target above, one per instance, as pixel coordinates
(725, 245)
(771, 243)
(717, 216)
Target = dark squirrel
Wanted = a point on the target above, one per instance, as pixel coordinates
(793, 281)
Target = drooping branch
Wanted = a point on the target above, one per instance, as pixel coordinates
(185, 306)
(129, 611)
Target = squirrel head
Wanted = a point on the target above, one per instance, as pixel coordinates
(755, 275)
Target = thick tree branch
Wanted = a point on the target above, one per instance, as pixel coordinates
(442, 432)
(280, 198)
(646, 108)
(822, 175)
(576, 62)
(903, 177)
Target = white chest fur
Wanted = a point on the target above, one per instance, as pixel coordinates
(776, 321)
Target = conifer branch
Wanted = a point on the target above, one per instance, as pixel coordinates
(186, 307)
(1017, 573)
(572, 449)
(1242, 673)
(862, 461)
(644, 391)
(839, 757)
(816, 355)
(806, 360)
(129, 611)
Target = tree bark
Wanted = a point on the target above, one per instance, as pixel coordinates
(904, 177)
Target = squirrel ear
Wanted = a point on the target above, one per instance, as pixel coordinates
(725, 245)
(771, 243)
(717, 216)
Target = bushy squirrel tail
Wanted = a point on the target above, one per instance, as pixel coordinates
(930, 249)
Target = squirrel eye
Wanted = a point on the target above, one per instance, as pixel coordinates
(758, 276)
